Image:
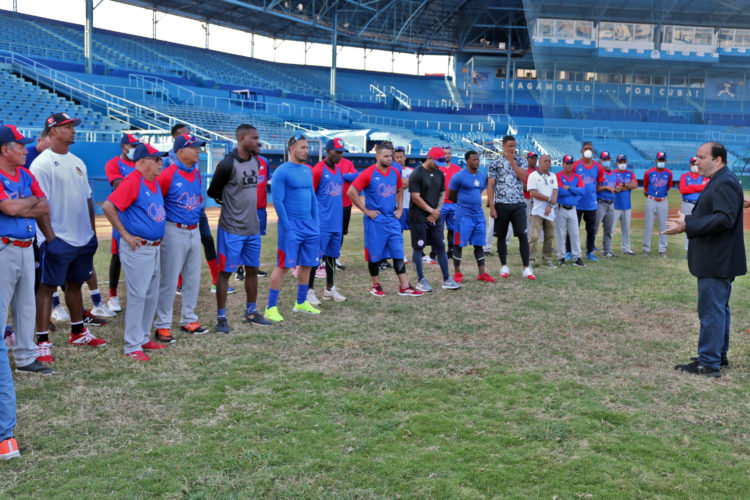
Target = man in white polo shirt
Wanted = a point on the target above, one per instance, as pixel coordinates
(66, 236)
(542, 186)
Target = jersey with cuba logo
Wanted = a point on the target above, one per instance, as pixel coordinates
(379, 189)
(329, 188)
(657, 183)
(608, 179)
(141, 206)
(622, 199)
(181, 188)
(22, 185)
(117, 168)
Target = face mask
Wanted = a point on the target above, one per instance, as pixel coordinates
(661, 164)
(588, 154)
(622, 166)
(694, 169)
(606, 164)
(130, 154)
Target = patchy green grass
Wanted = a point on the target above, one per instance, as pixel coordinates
(561, 388)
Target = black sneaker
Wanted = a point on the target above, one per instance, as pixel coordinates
(340, 266)
(35, 367)
(579, 263)
(262, 274)
(222, 326)
(698, 369)
(384, 264)
(724, 361)
(164, 336)
(561, 262)
(91, 320)
(257, 319)
(240, 276)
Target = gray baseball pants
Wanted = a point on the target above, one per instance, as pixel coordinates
(660, 211)
(687, 209)
(605, 213)
(624, 217)
(141, 268)
(566, 222)
(182, 252)
(17, 292)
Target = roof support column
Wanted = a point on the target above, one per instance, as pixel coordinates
(88, 28)
(334, 41)
(507, 77)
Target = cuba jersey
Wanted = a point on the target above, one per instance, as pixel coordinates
(622, 199)
(691, 186)
(449, 171)
(181, 189)
(657, 183)
(590, 176)
(117, 168)
(379, 189)
(23, 185)
(328, 185)
(609, 179)
(468, 188)
(141, 206)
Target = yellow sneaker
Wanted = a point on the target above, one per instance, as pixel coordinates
(305, 307)
(272, 314)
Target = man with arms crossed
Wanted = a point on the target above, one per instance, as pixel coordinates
(626, 182)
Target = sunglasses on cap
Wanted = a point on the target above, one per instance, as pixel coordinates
(400, 149)
(296, 138)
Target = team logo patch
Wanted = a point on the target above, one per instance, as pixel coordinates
(476, 182)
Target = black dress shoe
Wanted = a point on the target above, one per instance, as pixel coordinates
(724, 361)
(696, 368)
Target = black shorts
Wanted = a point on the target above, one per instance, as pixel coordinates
(425, 234)
(62, 262)
(347, 216)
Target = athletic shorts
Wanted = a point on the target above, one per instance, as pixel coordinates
(405, 220)
(61, 261)
(237, 250)
(383, 238)
(471, 231)
(424, 234)
(330, 244)
(299, 245)
(115, 242)
(262, 219)
(448, 214)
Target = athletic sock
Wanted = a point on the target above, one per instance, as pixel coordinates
(96, 297)
(273, 297)
(77, 328)
(113, 292)
(42, 337)
(214, 268)
(179, 281)
(55, 300)
(250, 307)
(301, 293)
(221, 312)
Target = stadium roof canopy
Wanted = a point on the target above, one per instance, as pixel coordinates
(421, 26)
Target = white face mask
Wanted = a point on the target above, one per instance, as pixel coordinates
(661, 164)
(606, 164)
(622, 166)
(588, 154)
(130, 154)
(694, 169)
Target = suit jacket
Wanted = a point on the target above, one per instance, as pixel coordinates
(716, 246)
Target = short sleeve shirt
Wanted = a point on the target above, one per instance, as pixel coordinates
(508, 187)
(545, 184)
(428, 184)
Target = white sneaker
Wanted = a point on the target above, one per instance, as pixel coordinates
(333, 294)
(528, 273)
(406, 259)
(505, 272)
(320, 272)
(59, 313)
(312, 299)
(114, 304)
(427, 260)
(102, 310)
(295, 271)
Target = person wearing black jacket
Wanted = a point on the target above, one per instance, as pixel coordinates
(716, 255)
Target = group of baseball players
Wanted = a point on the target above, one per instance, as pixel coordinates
(156, 209)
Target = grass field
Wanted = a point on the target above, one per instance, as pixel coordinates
(559, 388)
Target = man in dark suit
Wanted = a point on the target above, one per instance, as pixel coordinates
(716, 255)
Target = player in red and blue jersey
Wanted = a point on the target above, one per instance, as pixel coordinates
(465, 190)
(626, 182)
(656, 185)
(591, 173)
(605, 198)
(116, 170)
(569, 193)
(381, 185)
(136, 210)
(691, 186)
(298, 227)
(328, 181)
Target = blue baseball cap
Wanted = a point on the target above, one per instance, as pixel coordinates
(605, 156)
(147, 151)
(661, 155)
(622, 158)
(129, 139)
(568, 159)
(9, 133)
(336, 145)
(187, 141)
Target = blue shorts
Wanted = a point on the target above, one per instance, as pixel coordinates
(383, 239)
(262, 219)
(471, 231)
(237, 250)
(115, 249)
(62, 262)
(330, 244)
(448, 214)
(405, 220)
(299, 245)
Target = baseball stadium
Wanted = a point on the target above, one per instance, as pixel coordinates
(234, 257)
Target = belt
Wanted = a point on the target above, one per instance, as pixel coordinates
(690, 201)
(186, 226)
(17, 243)
(608, 202)
(656, 199)
(566, 207)
(148, 243)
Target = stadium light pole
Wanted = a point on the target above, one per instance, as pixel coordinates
(87, 32)
(334, 41)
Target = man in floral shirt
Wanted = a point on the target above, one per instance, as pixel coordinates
(506, 176)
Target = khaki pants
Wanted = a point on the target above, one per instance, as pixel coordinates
(539, 224)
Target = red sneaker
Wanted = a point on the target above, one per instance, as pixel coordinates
(45, 352)
(9, 449)
(410, 290)
(86, 338)
(138, 356)
(486, 277)
(152, 346)
(377, 290)
(458, 278)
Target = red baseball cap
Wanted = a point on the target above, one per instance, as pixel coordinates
(437, 155)
(661, 155)
(532, 154)
(693, 159)
(568, 159)
(605, 156)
